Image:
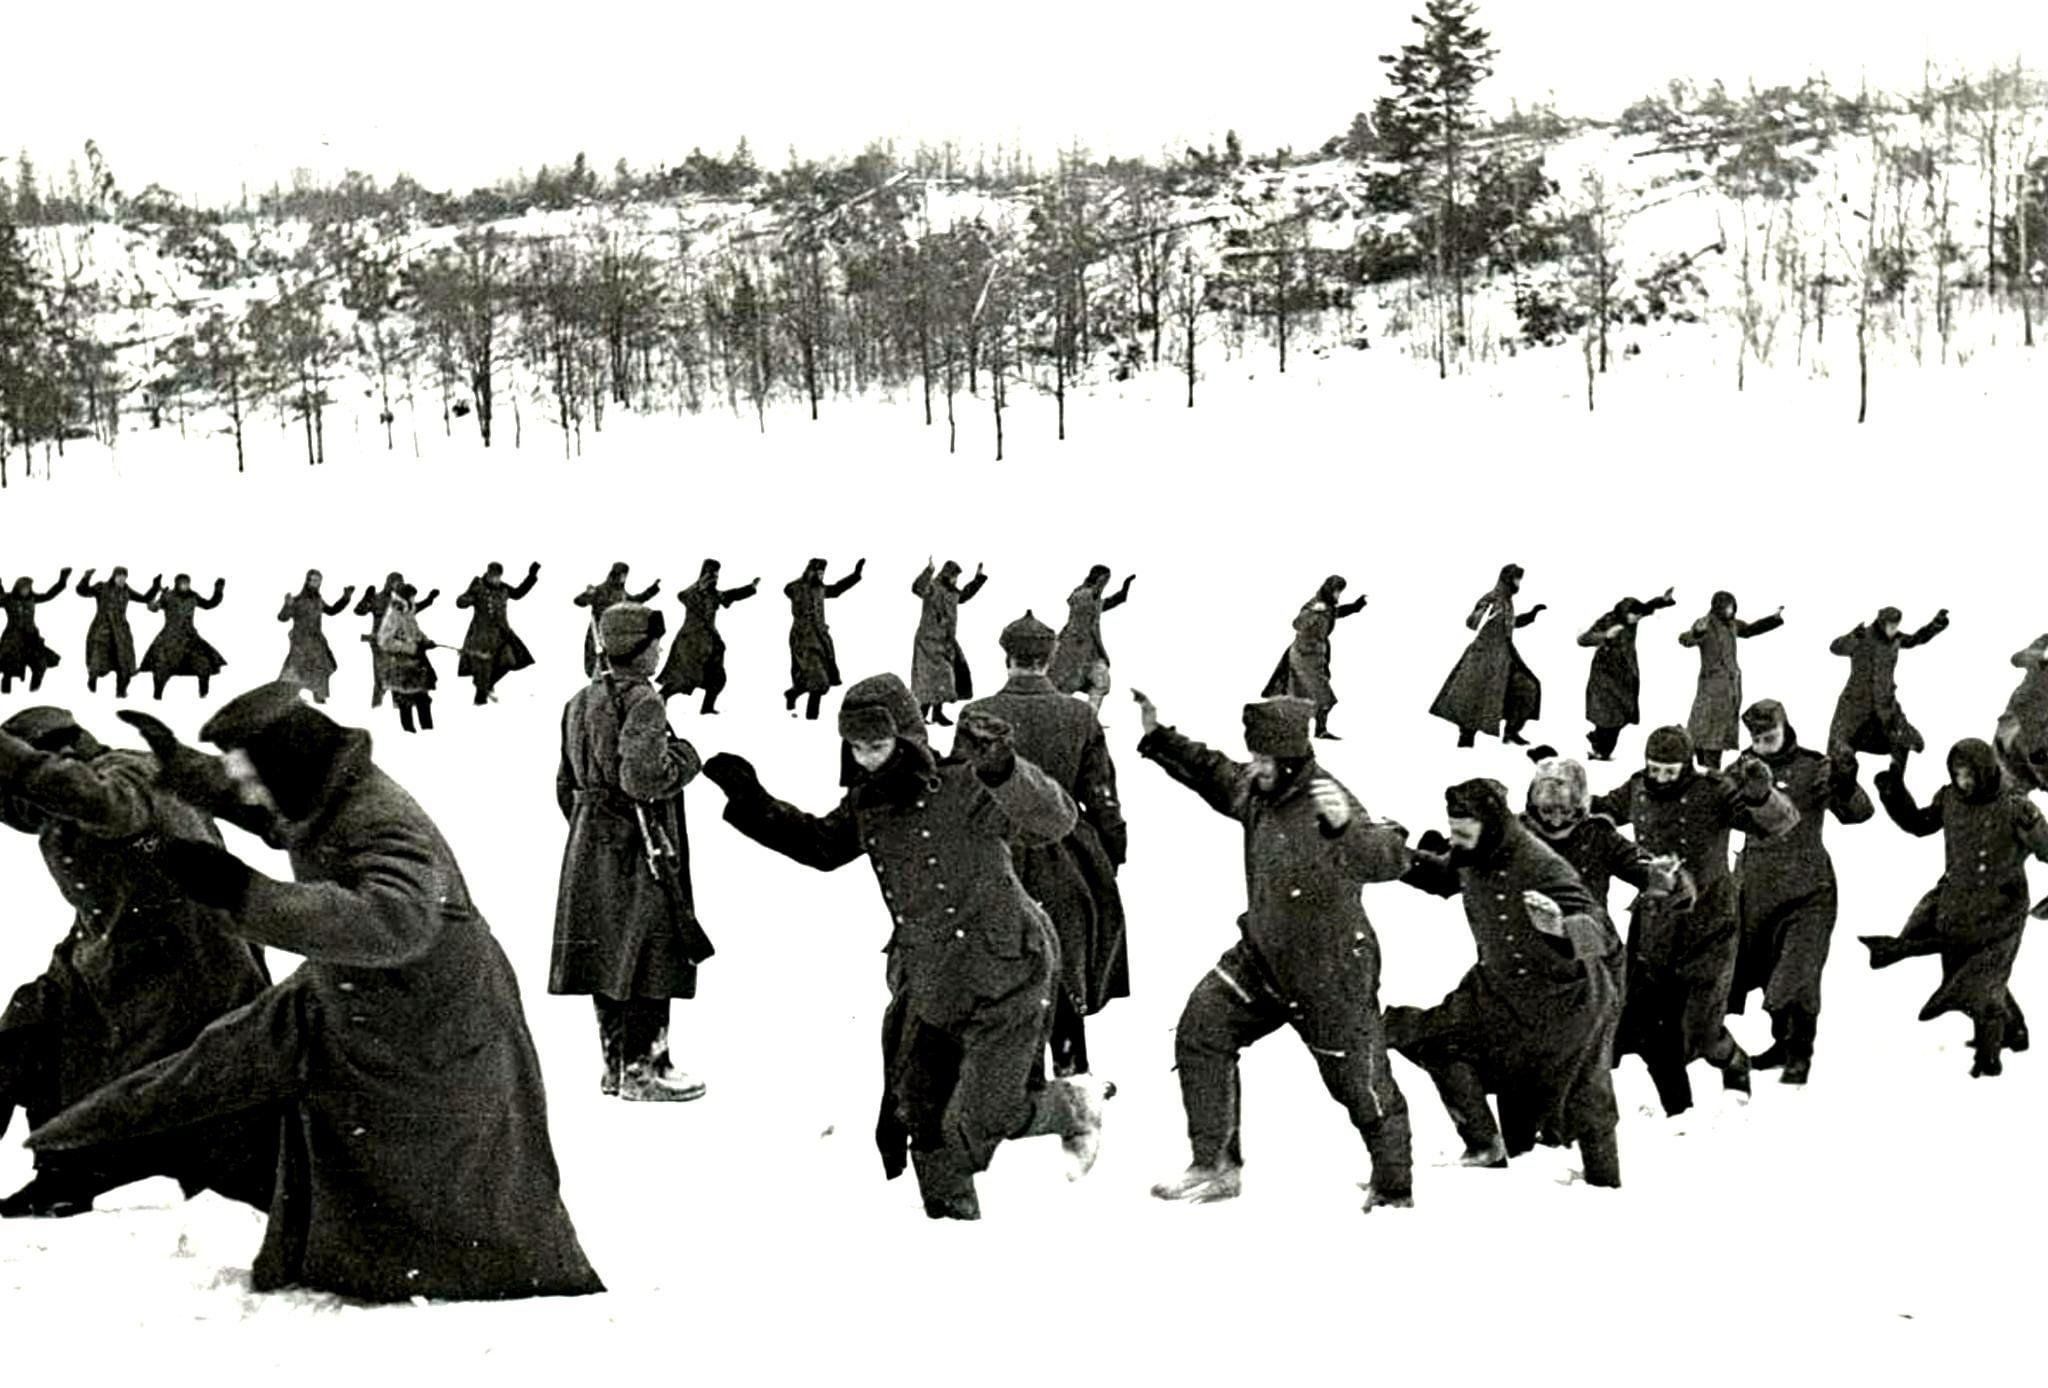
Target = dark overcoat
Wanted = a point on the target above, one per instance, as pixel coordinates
(310, 660)
(109, 644)
(1715, 720)
(1490, 684)
(179, 649)
(1080, 649)
(490, 625)
(697, 658)
(813, 662)
(23, 651)
(1614, 684)
(1868, 717)
(938, 667)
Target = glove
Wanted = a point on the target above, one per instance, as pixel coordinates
(210, 876)
(1887, 781)
(1331, 805)
(984, 739)
(1754, 778)
(1434, 843)
(731, 774)
(193, 776)
(1544, 914)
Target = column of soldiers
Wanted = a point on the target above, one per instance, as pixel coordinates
(394, 1073)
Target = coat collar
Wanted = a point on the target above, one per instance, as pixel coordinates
(1024, 682)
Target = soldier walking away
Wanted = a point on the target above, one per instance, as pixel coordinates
(400, 648)
(1490, 685)
(2022, 737)
(372, 604)
(626, 932)
(1308, 957)
(1304, 668)
(1682, 947)
(23, 651)
(599, 597)
(697, 659)
(179, 649)
(492, 650)
(1533, 1020)
(414, 1158)
(1867, 716)
(309, 663)
(1080, 665)
(938, 667)
(972, 959)
(1785, 887)
(1718, 699)
(143, 969)
(1974, 917)
(1074, 879)
(109, 644)
(1614, 685)
(813, 663)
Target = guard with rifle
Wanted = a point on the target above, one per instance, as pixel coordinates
(626, 929)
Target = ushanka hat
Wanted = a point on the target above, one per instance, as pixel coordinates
(628, 628)
(1278, 727)
(1669, 746)
(1762, 716)
(1028, 640)
(877, 707)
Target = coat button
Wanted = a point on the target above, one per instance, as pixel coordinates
(949, 911)
(924, 833)
(1294, 891)
(358, 1018)
(942, 886)
(931, 862)
(920, 804)
(357, 1132)
(346, 987)
(899, 920)
(959, 934)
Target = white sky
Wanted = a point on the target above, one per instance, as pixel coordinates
(207, 94)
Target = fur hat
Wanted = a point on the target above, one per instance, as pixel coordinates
(1278, 727)
(292, 745)
(1028, 641)
(1726, 599)
(1762, 716)
(1481, 798)
(627, 628)
(1669, 746)
(1562, 771)
(1889, 614)
(877, 707)
(1987, 780)
(45, 727)
(814, 566)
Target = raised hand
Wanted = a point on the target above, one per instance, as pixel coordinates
(1148, 716)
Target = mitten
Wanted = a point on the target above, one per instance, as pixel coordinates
(211, 876)
(731, 774)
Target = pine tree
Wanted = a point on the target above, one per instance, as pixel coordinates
(23, 334)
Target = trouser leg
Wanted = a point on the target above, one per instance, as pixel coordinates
(1603, 742)
(811, 706)
(1069, 1037)
(1601, 1153)
(1221, 1018)
(1464, 1095)
(1358, 1076)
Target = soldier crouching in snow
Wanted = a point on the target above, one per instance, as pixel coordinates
(624, 934)
(1308, 959)
(1682, 948)
(1976, 914)
(1533, 1020)
(972, 958)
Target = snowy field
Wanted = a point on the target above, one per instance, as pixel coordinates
(1880, 1223)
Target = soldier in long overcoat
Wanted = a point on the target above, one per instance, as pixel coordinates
(1490, 685)
(1614, 685)
(142, 971)
(938, 667)
(179, 649)
(1867, 716)
(309, 663)
(414, 1158)
(401, 652)
(972, 958)
(1682, 947)
(373, 604)
(1974, 917)
(1559, 812)
(1533, 1020)
(813, 661)
(599, 597)
(697, 659)
(1718, 699)
(1307, 956)
(491, 649)
(23, 651)
(1786, 890)
(1080, 664)
(1074, 879)
(2022, 737)
(109, 644)
(1304, 668)
(618, 935)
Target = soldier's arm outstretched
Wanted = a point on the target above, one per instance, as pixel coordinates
(822, 842)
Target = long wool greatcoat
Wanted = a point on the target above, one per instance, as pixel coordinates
(1681, 957)
(1978, 911)
(1786, 883)
(1598, 852)
(310, 660)
(1304, 668)
(179, 649)
(144, 968)
(970, 952)
(409, 652)
(1614, 685)
(1867, 716)
(614, 932)
(813, 662)
(697, 659)
(1490, 684)
(109, 644)
(490, 626)
(1717, 702)
(1305, 927)
(414, 1156)
(22, 647)
(1080, 648)
(2023, 727)
(1536, 1016)
(938, 667)
(1074, 879)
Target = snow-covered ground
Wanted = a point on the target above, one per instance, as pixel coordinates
(1880, 1225)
